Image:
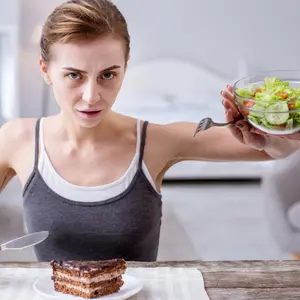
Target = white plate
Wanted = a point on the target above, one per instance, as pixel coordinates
(131, 286)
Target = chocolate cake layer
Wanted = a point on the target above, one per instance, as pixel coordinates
(87, 293)
(117, 280)
(89, 268)
(87, 279)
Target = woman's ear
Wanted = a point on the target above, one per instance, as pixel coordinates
(44, 70)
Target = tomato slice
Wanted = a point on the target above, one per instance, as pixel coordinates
(291, 105)
(282, 126)
(249, 103)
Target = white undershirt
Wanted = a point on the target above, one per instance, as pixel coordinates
(88, 194)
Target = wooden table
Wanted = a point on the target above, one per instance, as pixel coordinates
(224, 280)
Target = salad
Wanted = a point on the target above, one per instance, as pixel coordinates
(274, 104)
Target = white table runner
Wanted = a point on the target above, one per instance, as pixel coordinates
(159, 283)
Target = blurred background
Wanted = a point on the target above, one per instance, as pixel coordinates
(183, 53)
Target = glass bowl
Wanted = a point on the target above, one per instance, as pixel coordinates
(270, 101)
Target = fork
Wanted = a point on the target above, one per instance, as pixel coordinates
(207, 123)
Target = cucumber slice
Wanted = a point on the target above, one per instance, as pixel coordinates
(277, 113)
(257, 110)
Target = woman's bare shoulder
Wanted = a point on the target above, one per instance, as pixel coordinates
(18, 130)
(15, 133)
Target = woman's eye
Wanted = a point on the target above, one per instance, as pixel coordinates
(107, 76)
(73, 76)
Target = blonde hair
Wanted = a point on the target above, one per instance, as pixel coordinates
(83, 19)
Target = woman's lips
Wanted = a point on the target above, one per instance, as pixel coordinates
(89, 114)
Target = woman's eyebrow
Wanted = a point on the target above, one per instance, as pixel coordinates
(71, 69)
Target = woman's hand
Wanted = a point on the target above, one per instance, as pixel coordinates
(241, 130)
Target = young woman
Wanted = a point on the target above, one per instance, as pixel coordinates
(92, 177)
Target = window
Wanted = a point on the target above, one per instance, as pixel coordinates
(8, 86)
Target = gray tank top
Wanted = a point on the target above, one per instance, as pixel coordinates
(126, 226)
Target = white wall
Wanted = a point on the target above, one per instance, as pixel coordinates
(9, 12)
(34, 13)
(217, 33)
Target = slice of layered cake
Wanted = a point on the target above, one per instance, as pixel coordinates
(88, 279)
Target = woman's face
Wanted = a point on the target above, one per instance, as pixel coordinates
(86, 77)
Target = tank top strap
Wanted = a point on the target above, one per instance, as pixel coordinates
(37, 142)
(143, 143)
(138, 136)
